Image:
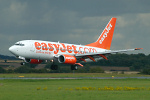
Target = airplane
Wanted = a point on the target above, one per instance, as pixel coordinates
(37, 51)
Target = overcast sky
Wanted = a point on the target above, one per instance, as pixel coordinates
(75, 21)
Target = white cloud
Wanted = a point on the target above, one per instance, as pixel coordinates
(124, 20)
(14, 13)
(144, 19)
(118, 36)
(47, 17)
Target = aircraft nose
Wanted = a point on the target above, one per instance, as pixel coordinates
(12, 49)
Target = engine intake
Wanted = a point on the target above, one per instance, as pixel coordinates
(67, 59)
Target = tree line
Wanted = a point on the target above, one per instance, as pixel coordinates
(136, 62)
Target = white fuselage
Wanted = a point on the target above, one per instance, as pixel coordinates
(45, 50)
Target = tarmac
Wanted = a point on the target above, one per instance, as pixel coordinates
(66, 78)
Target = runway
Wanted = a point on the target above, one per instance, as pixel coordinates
(66, 78)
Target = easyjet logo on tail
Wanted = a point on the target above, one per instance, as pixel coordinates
(106, 31)
(104, 41)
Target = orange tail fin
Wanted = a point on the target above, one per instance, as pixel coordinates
(104, 40)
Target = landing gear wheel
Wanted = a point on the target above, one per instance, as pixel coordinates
(54, 67)
(22, 63)
(74, 67)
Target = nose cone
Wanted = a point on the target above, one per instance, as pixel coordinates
(12, 50)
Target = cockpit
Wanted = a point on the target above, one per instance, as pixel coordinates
(19, 44)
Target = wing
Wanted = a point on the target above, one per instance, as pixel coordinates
(98, 55)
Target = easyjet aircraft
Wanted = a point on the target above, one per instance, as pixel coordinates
(36, 51)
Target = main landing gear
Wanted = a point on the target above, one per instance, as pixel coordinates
(74, 67)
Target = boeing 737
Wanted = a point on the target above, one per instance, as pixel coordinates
(37, 51)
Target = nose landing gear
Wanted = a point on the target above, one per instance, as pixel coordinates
(22, 63)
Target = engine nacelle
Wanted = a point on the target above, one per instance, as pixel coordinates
(33, 61)
(67, 59)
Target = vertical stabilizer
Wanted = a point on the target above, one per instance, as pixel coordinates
(104, 40)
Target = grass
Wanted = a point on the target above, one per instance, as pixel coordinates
(66, 89)
(72, 75)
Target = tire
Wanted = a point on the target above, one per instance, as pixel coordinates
(22, 63)
(74, 67)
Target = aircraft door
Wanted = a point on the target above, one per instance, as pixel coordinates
(32, 48)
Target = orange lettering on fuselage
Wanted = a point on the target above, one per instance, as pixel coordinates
(80, 49)
(44, 46)
(63, 48)
(90, 49)
(37, 45)
(57, 48)
(50, 47)
(69, 48)
(86, 50)
(94, 50)
(75, 49)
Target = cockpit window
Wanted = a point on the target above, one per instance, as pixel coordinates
(16, 44)
(19, 44)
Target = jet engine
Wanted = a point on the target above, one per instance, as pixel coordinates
(67, 59)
